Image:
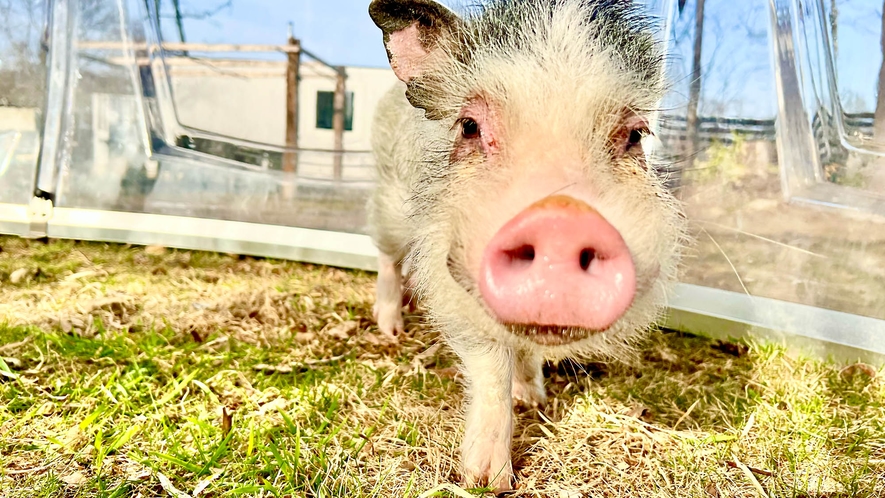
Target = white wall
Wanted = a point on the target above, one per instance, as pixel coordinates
(250, 102)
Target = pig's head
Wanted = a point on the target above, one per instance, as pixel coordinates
(540, 220)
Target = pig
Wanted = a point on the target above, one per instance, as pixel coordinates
(513, 182)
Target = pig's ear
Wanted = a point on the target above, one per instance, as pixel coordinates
(412, 31)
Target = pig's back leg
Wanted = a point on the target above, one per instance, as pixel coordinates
(388, 232)
(388, 308)
(387, 209)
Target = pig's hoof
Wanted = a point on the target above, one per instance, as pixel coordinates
(528, 395)
(390, 320)
(485, 465)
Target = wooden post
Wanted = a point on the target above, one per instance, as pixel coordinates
(338, 105)
(290, 159)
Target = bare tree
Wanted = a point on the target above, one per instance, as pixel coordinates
(180, 14)
(179, 19)
(879, 116)
(21, 76)
(695, 89)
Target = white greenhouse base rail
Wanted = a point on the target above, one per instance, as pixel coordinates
(15, 219)
(300, 244)
(808, 330)
(694, 309)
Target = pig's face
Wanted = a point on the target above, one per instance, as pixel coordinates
(557, 224)
(535, 190)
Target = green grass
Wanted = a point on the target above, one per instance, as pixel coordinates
(117, 407)
(117, 383)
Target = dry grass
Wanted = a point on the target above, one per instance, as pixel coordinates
(131, 371)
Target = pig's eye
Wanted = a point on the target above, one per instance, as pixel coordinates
(636, 135)
(469, 128)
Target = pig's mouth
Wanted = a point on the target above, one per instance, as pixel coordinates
(549, 335)
(545, 335)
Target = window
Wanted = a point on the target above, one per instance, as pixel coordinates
(326, 109)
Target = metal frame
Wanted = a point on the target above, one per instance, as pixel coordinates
(805, 329)
(15, 219)
(796, 150)
(699, 310)
(60, 93)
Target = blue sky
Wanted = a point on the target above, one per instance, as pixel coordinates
(339, 31)
(738, 80)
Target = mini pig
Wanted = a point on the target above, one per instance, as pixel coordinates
(512, 181)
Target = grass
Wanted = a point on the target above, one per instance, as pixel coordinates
(139, 371)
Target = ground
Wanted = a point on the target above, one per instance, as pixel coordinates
(132, 371)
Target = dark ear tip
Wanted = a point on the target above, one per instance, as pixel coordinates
(377, 8)
(378, 11)
(390, 15)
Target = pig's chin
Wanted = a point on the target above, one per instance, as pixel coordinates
(550, 335)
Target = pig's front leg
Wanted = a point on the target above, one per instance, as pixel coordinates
(388, 309)
(485, 451)
(528, 380)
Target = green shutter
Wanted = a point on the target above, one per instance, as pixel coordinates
(326, 109)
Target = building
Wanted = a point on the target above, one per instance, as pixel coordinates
(247, 100)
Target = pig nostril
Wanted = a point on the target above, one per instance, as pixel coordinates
(586, 257)
(522, 255)
(526, 253)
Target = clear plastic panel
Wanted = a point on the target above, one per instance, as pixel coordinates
(797, 219)
(200, 130)
(22, 97)
(173, 132)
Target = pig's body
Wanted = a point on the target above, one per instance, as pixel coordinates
(512, 180)
(396, 129)
(393, 134)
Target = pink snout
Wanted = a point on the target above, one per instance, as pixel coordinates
(558, 263)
